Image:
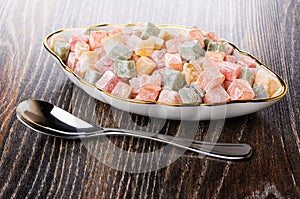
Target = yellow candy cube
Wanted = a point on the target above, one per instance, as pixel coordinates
(165, 35)
(87, 60)
(268, 81)
(144, 65)
(191, 72)
(56, 38)
(145, 47)
(158, 42)
(80, 48)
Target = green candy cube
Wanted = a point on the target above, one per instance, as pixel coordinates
(260, 92)
(216, 46)
(124, 68)
(198, 90)
(189, 96)
(62, 48)
(150, 30)
(119, 51)
(206, 42)
(173, 80)
(191, 50)
(92, 76)
(247, 74)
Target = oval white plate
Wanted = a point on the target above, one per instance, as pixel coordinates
(167, 111)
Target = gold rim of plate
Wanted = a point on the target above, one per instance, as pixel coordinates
(283, 91)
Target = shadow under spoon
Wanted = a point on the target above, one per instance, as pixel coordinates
(48, 119)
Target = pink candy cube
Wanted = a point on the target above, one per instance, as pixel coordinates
(230, 70)
(216, 95)
(76, 38)
(227, 84)
(248, 61)
(230, 58)
(154, 79)
(210, 78)
(240, 89)
(173, 44)
(158, 56)
(107, 82)
(122, 90)
(169, 96)
(72, 61)
(137, 82)
(105, 64)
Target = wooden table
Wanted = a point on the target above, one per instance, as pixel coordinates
(37, 166)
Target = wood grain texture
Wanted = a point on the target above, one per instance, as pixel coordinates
(37, 166)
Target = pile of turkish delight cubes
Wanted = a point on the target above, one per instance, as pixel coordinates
(173, 66)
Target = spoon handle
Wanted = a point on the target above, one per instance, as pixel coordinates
(228, 151)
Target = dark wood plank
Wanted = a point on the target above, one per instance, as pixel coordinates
(37, 166)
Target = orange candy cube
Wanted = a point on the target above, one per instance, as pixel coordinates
(212, 59)
(211, 36)
(153, 81)
(96, 37)
(230, 70)
(148, 93)
(214, 56)
(197, 34)
(210, 78)
(240, 89)
(174, 61)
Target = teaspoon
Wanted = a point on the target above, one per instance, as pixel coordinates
(48, 119)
